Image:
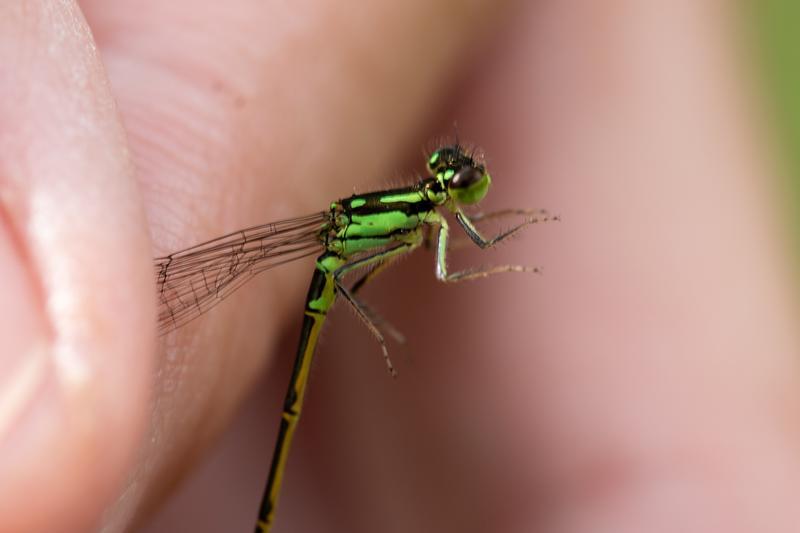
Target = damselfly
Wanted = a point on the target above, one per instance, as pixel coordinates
(363, 232)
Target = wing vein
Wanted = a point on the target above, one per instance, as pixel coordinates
(194, 280)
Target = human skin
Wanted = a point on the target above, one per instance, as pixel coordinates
(647, 381)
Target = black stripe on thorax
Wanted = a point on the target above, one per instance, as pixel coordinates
(372, 203)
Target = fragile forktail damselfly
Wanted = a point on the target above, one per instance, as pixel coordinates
(366, 231)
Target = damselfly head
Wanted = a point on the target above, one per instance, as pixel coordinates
(465, 179)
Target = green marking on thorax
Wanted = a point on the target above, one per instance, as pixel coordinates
(404, 197)
(351, 247)
(378, 224)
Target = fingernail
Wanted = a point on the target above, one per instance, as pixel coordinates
(23, 332)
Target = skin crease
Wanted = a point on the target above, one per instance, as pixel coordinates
(646, 382)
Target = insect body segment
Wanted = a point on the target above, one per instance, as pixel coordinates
(363, 232)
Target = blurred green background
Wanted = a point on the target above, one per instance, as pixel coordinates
(778, 31)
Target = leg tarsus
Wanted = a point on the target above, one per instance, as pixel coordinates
(482, 272)
(381, 323)
(441, 254)
(383, 258)
(365, 318)
(541, 214)
(467, 224)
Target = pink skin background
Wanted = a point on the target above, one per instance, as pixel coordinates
(646, 381)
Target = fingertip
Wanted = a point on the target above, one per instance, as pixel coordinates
(74, 253)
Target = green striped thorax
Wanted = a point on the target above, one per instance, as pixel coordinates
(458, 174)
(377, 219)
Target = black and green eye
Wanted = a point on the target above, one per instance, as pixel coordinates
(469, 184)
(465, 178)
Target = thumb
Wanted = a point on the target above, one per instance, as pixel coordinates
(76, 324)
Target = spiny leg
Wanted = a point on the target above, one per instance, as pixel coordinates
(441, 255)
(364, 312)
(376, 318)
(534, 216)
(473, 233)
(369, 276)
(381, 323)
(537, 215)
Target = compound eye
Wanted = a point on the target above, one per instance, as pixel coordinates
(466, 177)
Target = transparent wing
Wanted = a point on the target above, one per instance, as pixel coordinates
(192, 281)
